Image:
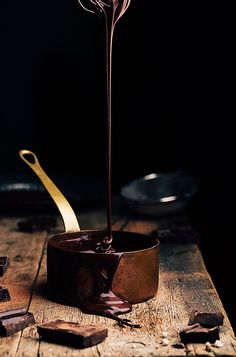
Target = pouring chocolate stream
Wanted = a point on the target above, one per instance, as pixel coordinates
(111, 10)
(103, 301)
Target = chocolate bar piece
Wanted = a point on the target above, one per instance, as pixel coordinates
(206, 319)
(12, 313)
(14, 321)
(72, 334)
(4, 294)
(4, 262)
(37, 223)
(198, 334)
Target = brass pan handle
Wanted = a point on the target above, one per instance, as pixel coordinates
(68, 215)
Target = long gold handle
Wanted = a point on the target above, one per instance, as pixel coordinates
(68, 215)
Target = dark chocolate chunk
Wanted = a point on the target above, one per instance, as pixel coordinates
(12, 322)
(198, 334)
(37, 223)
(4, 294)
(182, 234)
(12, 313)
(4, 262)
(206, 319)
(72, 334)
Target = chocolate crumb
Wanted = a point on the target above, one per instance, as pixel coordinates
(206, 319)
(4, 294)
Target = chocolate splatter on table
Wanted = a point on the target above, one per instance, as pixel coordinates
(185, 285)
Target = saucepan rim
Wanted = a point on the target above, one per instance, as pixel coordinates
(53, 241)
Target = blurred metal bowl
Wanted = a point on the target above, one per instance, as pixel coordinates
(160, 194)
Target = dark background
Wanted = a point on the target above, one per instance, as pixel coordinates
(173, 102)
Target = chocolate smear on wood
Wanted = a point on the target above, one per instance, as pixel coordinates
(4, 294)
(4, 262)
(14, 321)
(72, 334)
(206, 319)
(198, 334)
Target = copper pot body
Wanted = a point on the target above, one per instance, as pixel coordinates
(70, 272)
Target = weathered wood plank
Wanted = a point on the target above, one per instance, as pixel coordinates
(178, 294)
(184, 285)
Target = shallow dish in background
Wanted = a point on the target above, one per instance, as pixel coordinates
(159, 194)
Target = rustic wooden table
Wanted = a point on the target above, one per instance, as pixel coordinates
(184, 285)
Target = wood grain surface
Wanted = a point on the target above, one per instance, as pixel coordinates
(184, 285)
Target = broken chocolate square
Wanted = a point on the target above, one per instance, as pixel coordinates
(4, 294)
(14, 321)
(198, 334)
(206, 319)
(72, 334)
(37, 223)
(4, 262)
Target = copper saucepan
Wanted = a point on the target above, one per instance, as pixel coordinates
(71, 273)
